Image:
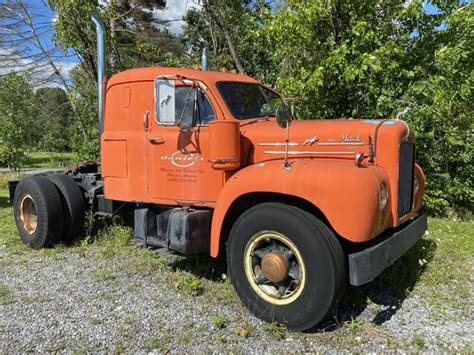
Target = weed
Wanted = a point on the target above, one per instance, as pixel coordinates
(161, 344)
(35, 299)
(220, 322)
(275, 330)
(141, 262)
(134, 286)
(104, 275)
(355, 325)
(245, 331)
(187, 283)
(221, 339)
(107, 252)
(6, 296)
(418, 340)
(95, 320)
(4, 178)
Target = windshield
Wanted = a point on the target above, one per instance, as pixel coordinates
(248, 100)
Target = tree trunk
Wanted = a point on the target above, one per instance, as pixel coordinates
(217, 13)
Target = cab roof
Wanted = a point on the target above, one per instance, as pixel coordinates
(151, 73)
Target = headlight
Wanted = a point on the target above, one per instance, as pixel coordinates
(383, 196)
(416, 184)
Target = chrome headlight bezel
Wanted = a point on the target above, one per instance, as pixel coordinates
(383, 195)
(416, 184)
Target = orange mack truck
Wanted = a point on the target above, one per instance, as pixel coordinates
(211, 162)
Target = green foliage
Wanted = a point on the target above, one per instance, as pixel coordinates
(54, 118)
(372, 59)
(188, 284)
(442, 115)
(242, 19)
(364, 59)
(17, 120)
(220, 321)
(6, 296)
(84, 96)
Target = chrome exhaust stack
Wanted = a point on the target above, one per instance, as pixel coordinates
(204, 59)
(100, 30)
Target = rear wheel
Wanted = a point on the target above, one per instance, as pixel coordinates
(286, 265)
(38, 212)
(73, 205)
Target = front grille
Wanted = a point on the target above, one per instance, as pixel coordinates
(405, 178)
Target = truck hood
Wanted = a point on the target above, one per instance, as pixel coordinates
(341, 139)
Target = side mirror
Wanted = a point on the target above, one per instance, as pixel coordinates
(284, 119)
(224, 145)
(283, 116)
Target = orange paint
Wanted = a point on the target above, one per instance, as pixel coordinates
(212, 165)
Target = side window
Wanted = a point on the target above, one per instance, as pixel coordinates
(184, 104)
(205, 111)
(175, 104)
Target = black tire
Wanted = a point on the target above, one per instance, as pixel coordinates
(74, 207)
(318, 248)
(41, 193)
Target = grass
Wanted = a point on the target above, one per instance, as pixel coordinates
(437, 270)
(53, 160)
(6, 296)
(220, 321)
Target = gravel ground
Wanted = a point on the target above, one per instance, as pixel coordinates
(86, 300)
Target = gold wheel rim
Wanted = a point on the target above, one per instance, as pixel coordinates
(264, 243)
(28, 216)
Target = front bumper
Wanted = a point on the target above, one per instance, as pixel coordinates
(366, 265)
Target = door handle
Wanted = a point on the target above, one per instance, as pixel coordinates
(155, 140)
(145, 122)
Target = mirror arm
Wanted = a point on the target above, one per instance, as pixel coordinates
(195, 108)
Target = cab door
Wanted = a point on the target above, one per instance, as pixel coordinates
(177, 146)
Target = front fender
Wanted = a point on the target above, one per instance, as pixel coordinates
(347, 195)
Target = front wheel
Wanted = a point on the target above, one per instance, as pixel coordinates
(286, 265)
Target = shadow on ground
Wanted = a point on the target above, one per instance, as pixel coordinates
(4, 202)
(202, 267)
(388, 290)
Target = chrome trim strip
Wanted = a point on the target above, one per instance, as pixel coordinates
(340, 143)
(278, 144)
(308, 153)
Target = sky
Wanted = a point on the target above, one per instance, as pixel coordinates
(174, 10)
(43, 19)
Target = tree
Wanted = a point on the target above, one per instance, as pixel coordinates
(134, 38)
(17, 114)
(442, 113)
(230, 29)
(54, 118)
(20, 32)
